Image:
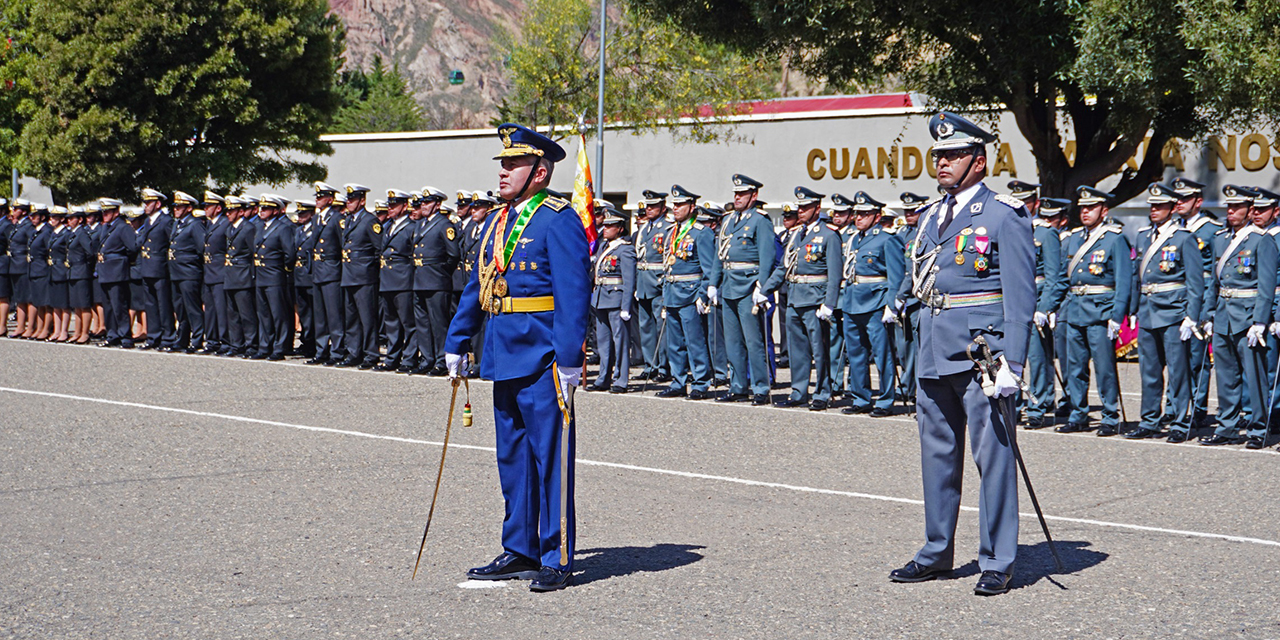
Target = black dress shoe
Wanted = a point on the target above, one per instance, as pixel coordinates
(593, 358)
(126, 345)
(384, 367)
(1106, 431)
(595, 387)
(333, 362)
(789, 402)
(1062, 411)
(992, 583)
(916, 572)
(191, 351)
(643, 375)
(420, 370)
(732, 397)
(404, 368)
(1166, 420)
(759, 399)
(1216, 440)
(346, 364)
(1201, 421)
(696, 394)
(1033, 423)
(818, 405)
(549, 579)
(1072, 427)
(661, 377)
(275, 357)
(1140, 433)
(618, 389)
(719, 382)
(258, 356)
(507, 566)
(671, 392)
(1177, 437)
(1254, 442)
(852, 411)
(442, 371)
(879, 412)
(368, 364)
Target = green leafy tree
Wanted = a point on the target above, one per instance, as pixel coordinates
(175, 93)
(1123, 76)
(15, 84)
(378, 100)
(657, 76)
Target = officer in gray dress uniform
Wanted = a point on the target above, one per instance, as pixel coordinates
(907, 306)
(710, 214)
(1170, 291)
(213, 292)
(1244, 270)
(689, 258)
(1051, 289)
(1099, 283)
(613, 271)
(874, 265)
(986, 284)
(746, 249)
(436, 254)
(649, 238)
(186, 273)
(1204, 228)
(811, 266)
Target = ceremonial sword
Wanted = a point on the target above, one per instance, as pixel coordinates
(466, 422)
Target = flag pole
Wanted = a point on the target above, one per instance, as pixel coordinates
(600, 108)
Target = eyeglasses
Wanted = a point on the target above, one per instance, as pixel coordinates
(951, 155)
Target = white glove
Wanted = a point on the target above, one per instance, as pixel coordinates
(1006, 383)
(1208, 329)
(889, 316)
(1040, 318)
(1053, 320)
(1186, 329)
(456, 364)
(625, 315)
(663, 315)
(702, 307)
(825, 312)
(1113, 329)
(569, 378)
(758, 298)
(1133, 323)
(1257, 335)
(713, 295)
(1275, 329)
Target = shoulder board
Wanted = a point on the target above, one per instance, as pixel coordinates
(1202, 222)
(1113, 228)
(1222, 232)
(699, 225)
(496, 207)
(1144, 229)
(1273, 231)
(1010, 201)
(555, 203)
(1040, 222)
(932, 202)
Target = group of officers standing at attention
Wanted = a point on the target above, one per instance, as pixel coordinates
(328, 279)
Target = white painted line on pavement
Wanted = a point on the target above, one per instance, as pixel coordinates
(628, 467)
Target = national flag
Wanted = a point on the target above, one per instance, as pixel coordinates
(584, 194)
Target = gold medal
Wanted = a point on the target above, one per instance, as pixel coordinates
(960, 259)
(500, 287)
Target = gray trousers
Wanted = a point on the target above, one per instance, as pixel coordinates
(1161, 350)
(612, 341)
(945, 407)
(810, 348)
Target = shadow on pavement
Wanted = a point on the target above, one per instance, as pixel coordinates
(1035, 562)
(612, 562)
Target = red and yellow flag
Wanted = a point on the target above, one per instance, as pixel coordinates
(584, 194)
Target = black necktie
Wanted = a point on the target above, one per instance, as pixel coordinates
(950, 215)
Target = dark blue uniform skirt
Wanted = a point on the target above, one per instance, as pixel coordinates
(137, 296)
(99, 294)
(6, 286)
(58, 295)
(21, 288)
(38, 291)
(80, 293)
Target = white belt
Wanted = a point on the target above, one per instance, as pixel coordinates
(649, 266)
(807, 279)
(1162, 287)
(609, 280)
(1227, 292)
(857, 279)
(739, 266)
(1091, 289)
(684, 277)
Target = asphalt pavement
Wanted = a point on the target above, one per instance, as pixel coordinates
(147, 495)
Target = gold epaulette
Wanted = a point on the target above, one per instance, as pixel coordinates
(555, 203)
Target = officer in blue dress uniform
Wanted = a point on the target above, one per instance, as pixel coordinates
(839, 219)
(533, 281)
(710, 215)
(215, 262)
(689, 258)
(1263, 215)
(242, 307)
(436, 254)
(326, 276)
(811, 266)
(982, 281)
(874, 265)
(746, 251)
(275, 253)
(6, 286)
(613, 271)
(649, 248)
(19, 238)
(470, 249)
(186, 273)
(1099, 282)
(118, 248)
(907, 306)
(306, 233)
(153, 265)
(1170, 291)
(1204, 228)
(1244, 270)
(361, 246)
(790, 227)
(396, 280)
(1051, 289)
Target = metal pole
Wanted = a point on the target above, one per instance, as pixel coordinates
(15, 185)
(600, 109)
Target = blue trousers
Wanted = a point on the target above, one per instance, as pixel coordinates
(1085, 343)
(837, 358)
(744, 343)
(810, 348)
(1040, 373)
(528, 423)
(242, 318)
(1241, 369)
(189, 307)
(330, 327)
(361, 313)
(613, 340)
(215, 316)
(649, 321)
(116, 313)
(275, 316)
(687, 349)
(159, 307)
(944, 408)
(398, 325)
(865, 337)
(1161, 350)
(713, 325)
(906, 346)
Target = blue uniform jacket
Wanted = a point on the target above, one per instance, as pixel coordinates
(1051, 281)
(326, 257)
(117, 251)
(1107, 264)
(1249, 266)
(436, 252)
(6, 230)
(361, 246)
(811, 266)
(305, 235)
(694, 255)
(1204, 229)
(186, 248)
(38, 251)
(614, 276)
(240, 248)
(1169, 278)
(215, 250)
(59, 248)
(1008, 269)
(650, 247)
(748, 250)
(904, 296)
(874, 265)
(153, 246)
(274, 253)
(396, 260)
(19, 238)
(81, 254)
(470, 248)
(554, 251)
